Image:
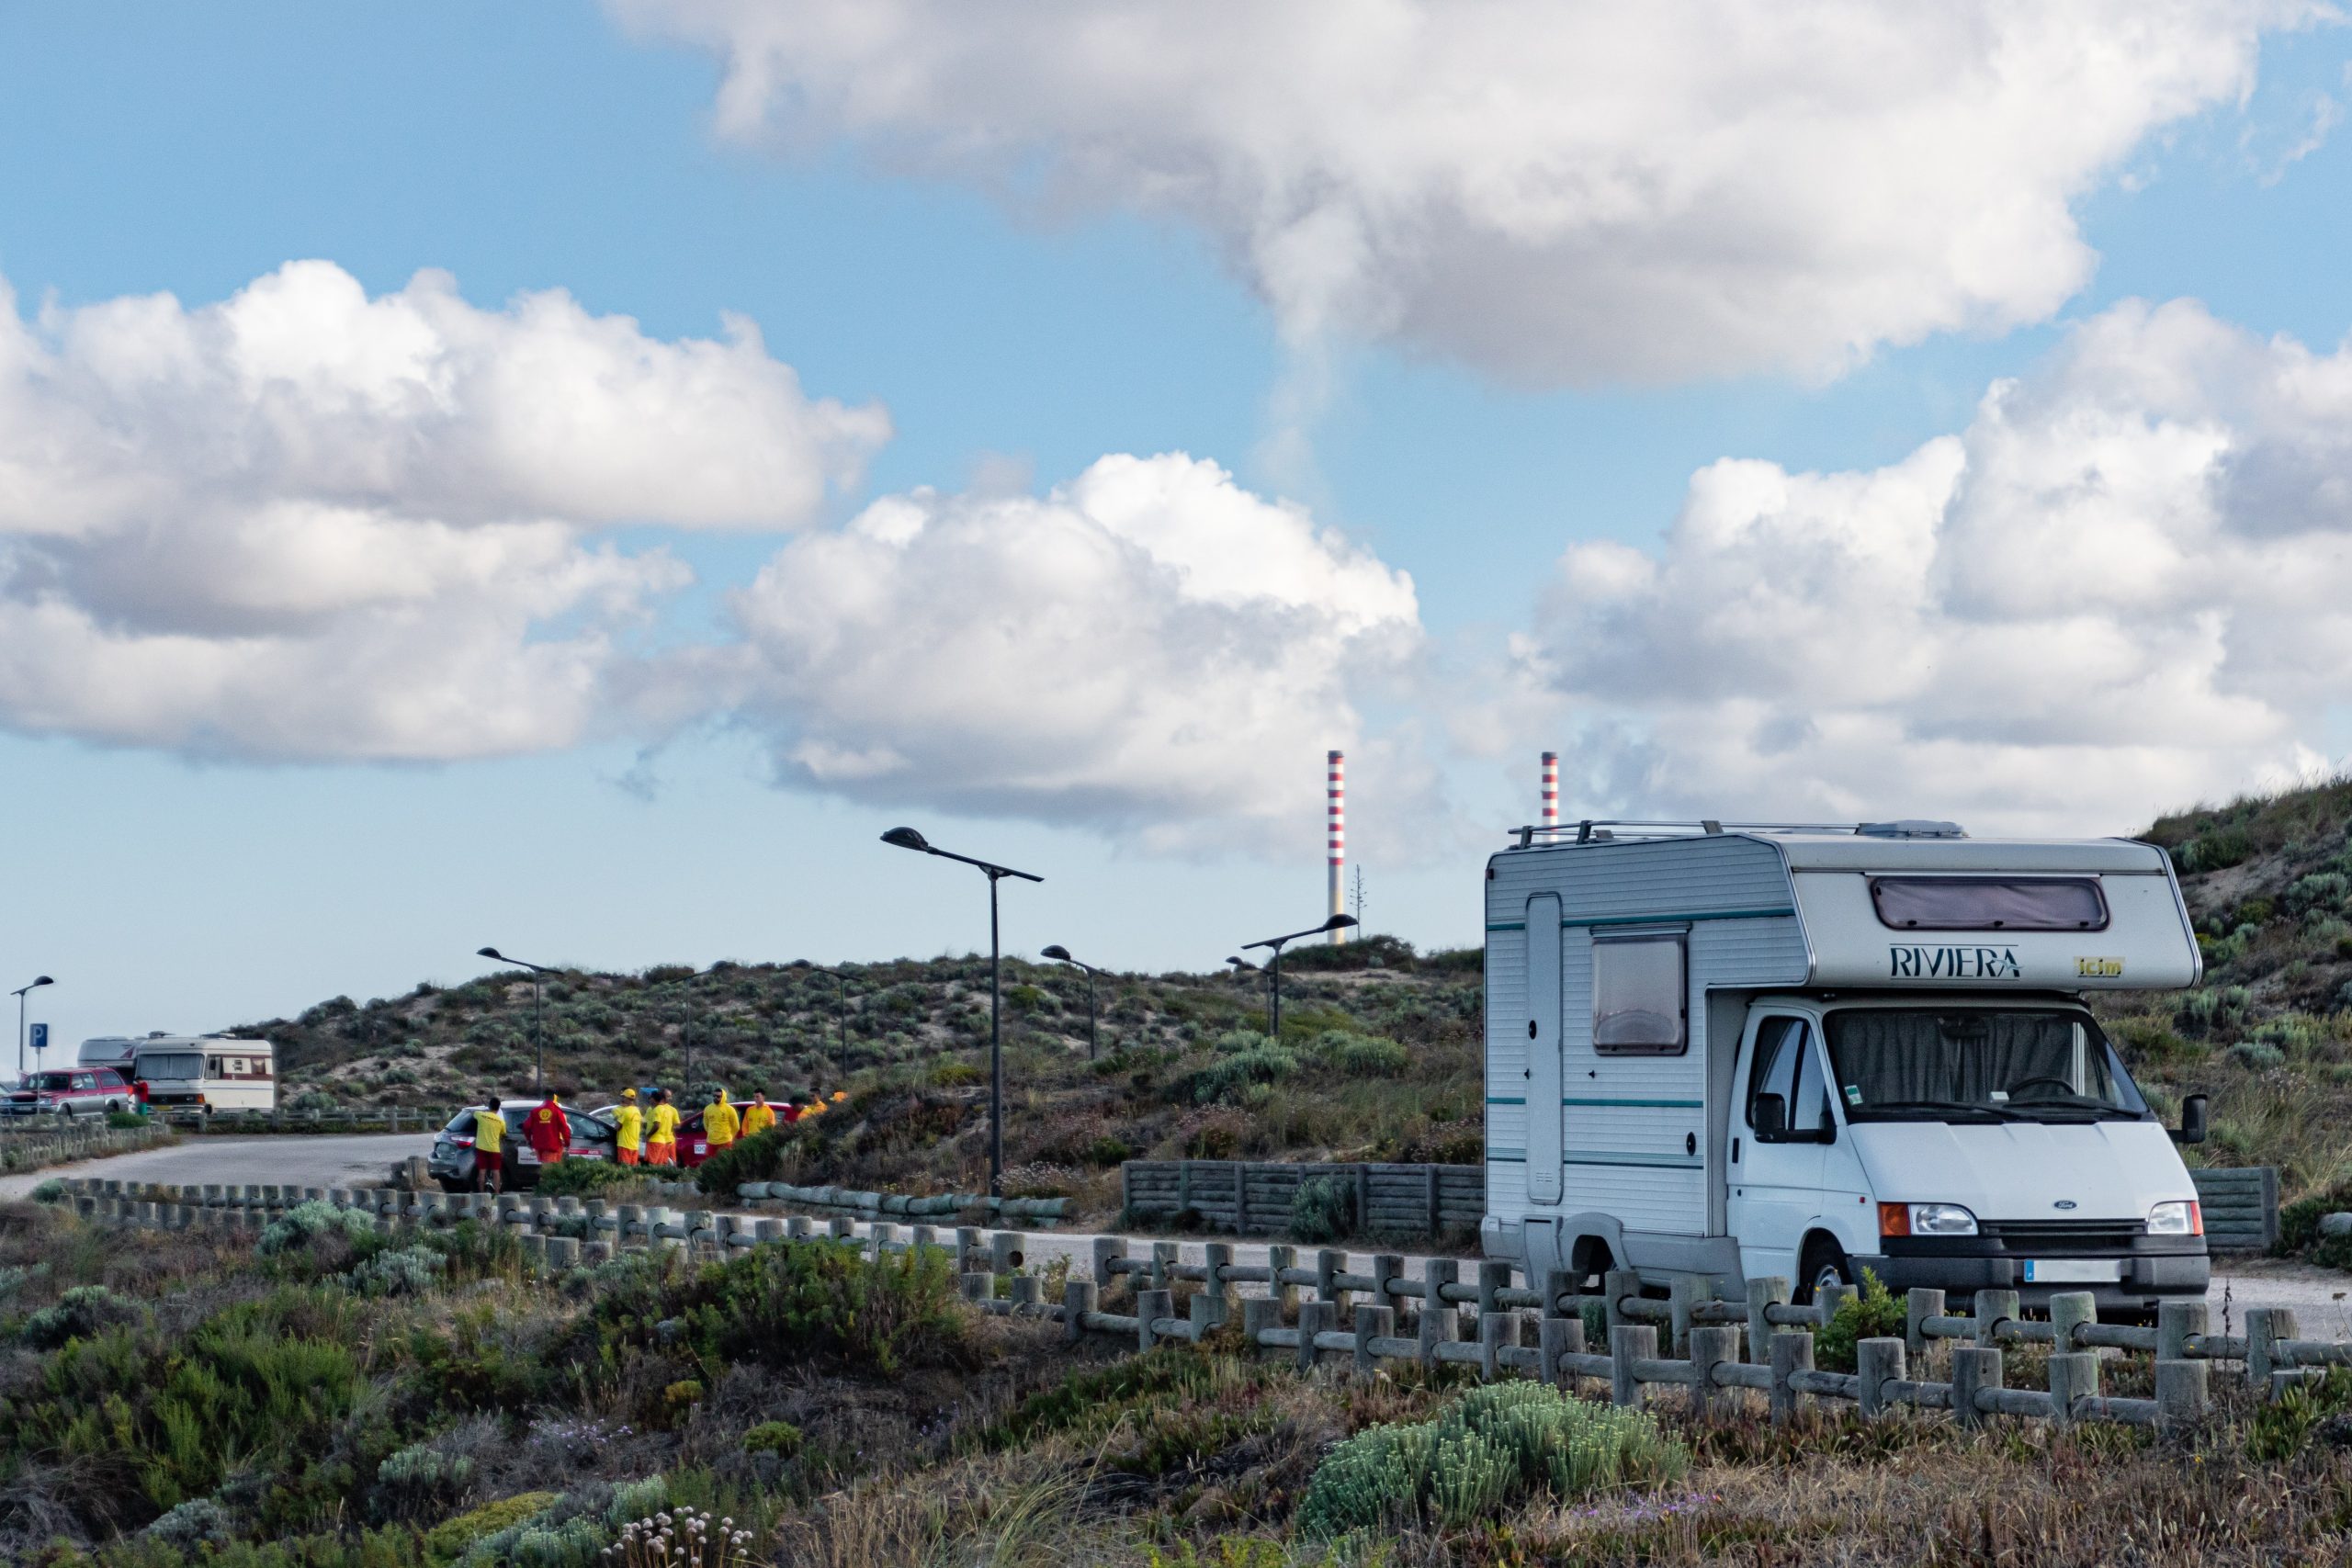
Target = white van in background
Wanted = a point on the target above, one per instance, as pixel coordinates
(209, 1071)
(1736, 1051)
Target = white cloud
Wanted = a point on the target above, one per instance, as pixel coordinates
(2127, 584)
(1551, 192)
(304, 524)
(1149, 650)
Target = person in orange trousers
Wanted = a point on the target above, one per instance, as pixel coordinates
(628, 1129)
(662, 1142)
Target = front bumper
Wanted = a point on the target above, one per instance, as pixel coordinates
(2154, 1269)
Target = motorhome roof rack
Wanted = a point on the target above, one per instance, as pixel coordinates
(1603, 830)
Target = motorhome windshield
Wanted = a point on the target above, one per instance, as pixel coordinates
(1977, 1064)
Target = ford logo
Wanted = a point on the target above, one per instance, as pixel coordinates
(2064, 1203)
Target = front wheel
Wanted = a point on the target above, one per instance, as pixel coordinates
(1824, 1263)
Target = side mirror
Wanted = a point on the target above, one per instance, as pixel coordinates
(1771, 1118)
(2192, 1120)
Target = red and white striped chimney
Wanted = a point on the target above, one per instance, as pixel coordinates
(1550, 789)
(1336, 812)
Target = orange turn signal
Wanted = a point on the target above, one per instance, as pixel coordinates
(1894, 1219)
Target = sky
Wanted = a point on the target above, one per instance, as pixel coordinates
(568, 478)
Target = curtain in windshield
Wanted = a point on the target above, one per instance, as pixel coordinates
(1977, 1058)
(175, 1066)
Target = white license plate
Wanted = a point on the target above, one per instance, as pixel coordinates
(2073, 1272)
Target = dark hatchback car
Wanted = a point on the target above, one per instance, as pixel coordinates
(451, 1162)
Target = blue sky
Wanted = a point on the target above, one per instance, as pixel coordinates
(172, 883)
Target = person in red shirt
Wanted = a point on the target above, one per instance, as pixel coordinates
(549, 1130)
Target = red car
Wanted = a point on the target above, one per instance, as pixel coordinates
(70, 1091)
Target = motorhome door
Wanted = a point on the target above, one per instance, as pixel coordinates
(1543, 1113)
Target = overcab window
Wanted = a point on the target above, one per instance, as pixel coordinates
(1639, 997)
(1989, 903)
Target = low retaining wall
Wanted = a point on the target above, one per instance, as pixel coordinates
(1253, 1197)
(36, 1146)
(2241, 1208)
(1323, 1312)
(849, 1201)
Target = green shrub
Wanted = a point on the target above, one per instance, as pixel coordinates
(579, 1178)
(785, 1304)
(1323, 1209)
(779, 1437)
(126, 1121)
(1495, 1446)
(420, 1483)
(1228, 1076)
(80, 1314)
(449, 1540)
(399, 1271)
(49, 1192)
(2284, 1428)
(1874, 1313)
(2257, 1055)
(762, 1157)
(305, 1223)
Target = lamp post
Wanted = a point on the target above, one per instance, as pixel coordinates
(1274, 965)
(538, 1034)
(1094, 1020)
(841, 1003)
(38, 983)
(908, 838)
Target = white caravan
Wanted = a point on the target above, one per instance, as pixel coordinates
(211, 1071)
(1735, 1051)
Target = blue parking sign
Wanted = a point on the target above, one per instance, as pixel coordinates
(40, 1037)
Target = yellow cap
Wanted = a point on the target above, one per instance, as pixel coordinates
(628, 1094)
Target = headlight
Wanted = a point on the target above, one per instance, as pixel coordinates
(2180, 1217)
(1925, 1219)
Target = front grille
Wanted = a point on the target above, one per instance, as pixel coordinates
(2066, 1236)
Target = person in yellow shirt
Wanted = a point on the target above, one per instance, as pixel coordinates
(629, 1124)
(489, 1147)
(758, 1116)
(719, 1122)
(661, 1142)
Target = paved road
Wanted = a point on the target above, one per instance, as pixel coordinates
(297, 1159)
(2321, 1298)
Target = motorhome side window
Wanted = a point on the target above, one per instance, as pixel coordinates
(1638, 991)
(1787, 1065)
(1989, 903)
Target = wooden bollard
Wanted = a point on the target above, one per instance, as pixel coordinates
(563, 1253)
(800, 1227)
(1150, 1306)
(1496, 1329)
(1079, 1298)
(2069, 1310)
(1280, 1260)
(1764, 1293)
(2073, 1376)
(1163, 1260)
(1440, 1323)
(1330, 1264)
(1712, 1347)
(1028, 1296)
(1975, 1368)
(1683, 1294)
(1628, 1343)
(1617, 1287)
(2177, 1322)
(1919, 1304)
(1215, 1289)
(1372, 1323)
(1992, 1309)
(1792, 1354)
(2181, 1394)
(977, 1287)
(1007, 1251)
(1828, 1299)
(1387, 1268)
(1877, 1362)
(2264, 1326)
(1258, 1315)
(1557, 1339)
(1493, 1279)
(841, 1228)
(1108, 1250)
(1314, 1318)
(971, 1242)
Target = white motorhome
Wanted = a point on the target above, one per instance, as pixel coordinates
(211, 1071)
(1735, 1050)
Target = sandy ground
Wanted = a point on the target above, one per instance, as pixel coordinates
(2321, 1298)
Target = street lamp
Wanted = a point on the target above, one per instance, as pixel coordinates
(1274, 967)
(38, 983)
(841, 1003)
(1093, 1022)
(908, 838)
(539, 1035)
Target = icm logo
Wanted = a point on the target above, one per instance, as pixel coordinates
(1953, 964)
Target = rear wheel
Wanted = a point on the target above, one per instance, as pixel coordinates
(1824, 1263)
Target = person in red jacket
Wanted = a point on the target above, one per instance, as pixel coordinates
(549, 1130)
